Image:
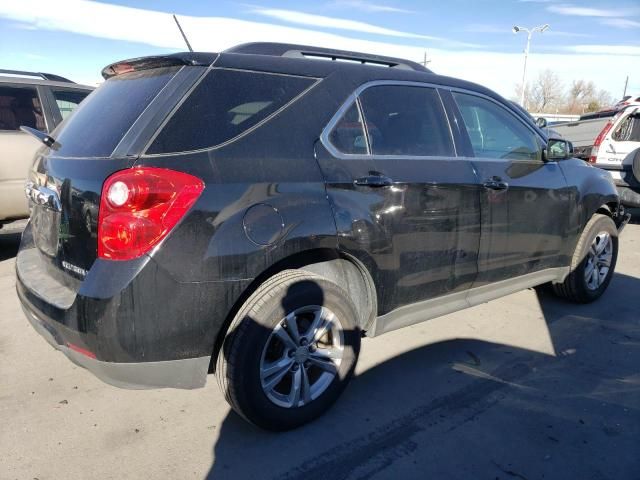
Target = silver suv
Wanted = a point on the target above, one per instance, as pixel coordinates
(37, 100)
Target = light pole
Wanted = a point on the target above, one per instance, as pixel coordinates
(516, 29)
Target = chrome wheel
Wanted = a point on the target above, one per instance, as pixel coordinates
(302, 356)
(598, 261)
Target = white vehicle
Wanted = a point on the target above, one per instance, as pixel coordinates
(628, 100)
(617, 149)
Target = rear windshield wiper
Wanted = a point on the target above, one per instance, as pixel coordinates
(43, 137)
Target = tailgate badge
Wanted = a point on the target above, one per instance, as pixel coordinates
(73, 268)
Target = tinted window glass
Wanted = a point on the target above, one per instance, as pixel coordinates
(98, 125)
(20, 106)
(225, 104)
(406, 121)
(348, 134)
(68, 100)
(494, 132)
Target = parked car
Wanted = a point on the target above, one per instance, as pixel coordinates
(36, 100)
(259, 211)
(617, 150)
(627, 101)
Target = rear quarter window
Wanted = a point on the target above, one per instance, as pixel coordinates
(224, 105)
(629, 129)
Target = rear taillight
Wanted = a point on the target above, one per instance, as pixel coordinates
(603, 133)
(139, 207)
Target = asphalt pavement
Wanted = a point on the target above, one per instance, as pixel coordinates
(525, 387)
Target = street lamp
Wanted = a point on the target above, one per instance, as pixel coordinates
(516, 29)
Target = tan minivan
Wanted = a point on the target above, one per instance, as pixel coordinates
(36, 100)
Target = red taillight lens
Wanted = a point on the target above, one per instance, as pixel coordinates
(139, 207)
(596, 144)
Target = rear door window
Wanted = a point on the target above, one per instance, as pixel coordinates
(68, 100)
(406, 120)
(101, 122)
(224, 105)
(494, 132)
(20, 106)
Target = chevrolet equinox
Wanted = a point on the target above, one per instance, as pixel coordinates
(255, 213)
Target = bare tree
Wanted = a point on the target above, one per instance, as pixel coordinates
(579, 96)
(546, 93)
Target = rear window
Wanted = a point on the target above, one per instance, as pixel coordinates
(224, 105)
(100, 122)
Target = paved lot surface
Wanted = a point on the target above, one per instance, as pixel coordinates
(526, 387)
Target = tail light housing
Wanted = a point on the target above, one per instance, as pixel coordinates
(601, 136)
(139, 207)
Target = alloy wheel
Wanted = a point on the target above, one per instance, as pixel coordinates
(598, 261)
(302, 356)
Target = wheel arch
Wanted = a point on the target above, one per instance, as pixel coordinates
(338, 267)
(609, 209)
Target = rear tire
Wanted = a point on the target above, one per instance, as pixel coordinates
(290, 351)
(594, 262)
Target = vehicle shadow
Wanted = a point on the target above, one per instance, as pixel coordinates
(472, 408)
(9, 244)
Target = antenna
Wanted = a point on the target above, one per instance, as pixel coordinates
(425, 62)
(182, 33)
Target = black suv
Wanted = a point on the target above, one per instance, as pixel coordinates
(261, 209)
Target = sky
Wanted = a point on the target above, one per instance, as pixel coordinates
(596, 41)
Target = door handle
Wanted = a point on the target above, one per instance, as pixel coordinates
(374, 179)
(496, 183)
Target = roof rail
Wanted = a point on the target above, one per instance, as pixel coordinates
(43, 76)
(305, 51)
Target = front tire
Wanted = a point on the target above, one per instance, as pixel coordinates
(290, 351)
(594, 262)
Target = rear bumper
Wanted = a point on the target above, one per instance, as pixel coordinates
(130, 323)
(187, 373)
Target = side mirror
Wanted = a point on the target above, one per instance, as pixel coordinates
(541, 122)
(558, 149)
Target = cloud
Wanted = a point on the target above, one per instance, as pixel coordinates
(577, 11)
(321, 21)
(556, 33)
(497, 70)
(627, 50)
(621, 23)
(367, 6)
(506, 30)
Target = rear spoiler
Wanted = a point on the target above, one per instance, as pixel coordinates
(158, 61)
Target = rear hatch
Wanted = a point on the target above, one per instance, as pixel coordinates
(104, 135)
